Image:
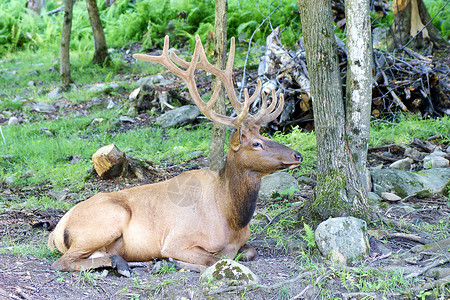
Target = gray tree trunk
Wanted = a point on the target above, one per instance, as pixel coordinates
(359, 85)
(216, 152)
(101, 50)
(64, 68)
(338, 190)
(36, 5)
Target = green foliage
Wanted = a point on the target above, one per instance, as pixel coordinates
(442, 20)
(309, 237)
(408, 127)
(304, 142)
(52, 145)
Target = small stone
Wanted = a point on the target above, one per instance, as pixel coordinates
(402, 164)
(97, 121)
(13, 121)
(55, 94)
(111, 105)
(435, 161)
(9, 181)
(42, 107)
(390, 197)
(388, 154)
(28, 174)
(126, 119)
(413, 153)
(31, 83)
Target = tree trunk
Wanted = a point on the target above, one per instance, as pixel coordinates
(64, 68)
(338, 187)
(410, 17)
(216, 152)
(359, 86)
(101, 50)
(36, 5)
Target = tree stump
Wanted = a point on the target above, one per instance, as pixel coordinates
(109, 162)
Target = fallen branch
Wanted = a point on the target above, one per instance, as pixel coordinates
(250, 287)
(429, 267)
(407, 236)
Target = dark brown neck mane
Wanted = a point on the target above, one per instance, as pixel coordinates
(241, 188)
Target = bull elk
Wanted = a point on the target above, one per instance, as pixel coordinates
(195, 218)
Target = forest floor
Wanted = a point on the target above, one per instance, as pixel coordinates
(286, 266)
(286, 269)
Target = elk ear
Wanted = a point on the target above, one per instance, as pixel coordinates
(235, 140)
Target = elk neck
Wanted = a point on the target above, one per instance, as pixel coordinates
(240, 188)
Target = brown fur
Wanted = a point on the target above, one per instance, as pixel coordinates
(196, 218)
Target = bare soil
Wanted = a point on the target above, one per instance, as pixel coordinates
(27, 277)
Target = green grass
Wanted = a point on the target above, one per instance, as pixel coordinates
(48, 147)
(409, 126)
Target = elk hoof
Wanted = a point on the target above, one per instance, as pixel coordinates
(120, 265)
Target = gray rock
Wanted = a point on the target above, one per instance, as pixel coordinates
(373, 197)
(194, 154)
(402, 208)
(178, 116)
(344, 239)
(28, 174)
(59, 195)
(388, 154)
(42, 107)
(227, 272)
(154, 80)
(9, 181)
(405, 183)
(13, 121)
(111, 105)
(413, 153)
(402, 164)
(55, 93)
(276, 184)
(435, 160)
(105, 88)
(126, 119)
(390, 197)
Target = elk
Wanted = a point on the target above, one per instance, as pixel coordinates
(195, 218)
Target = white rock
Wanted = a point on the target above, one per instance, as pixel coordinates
(390, 197)
(13, 121)
(228, 272)
(342, 239)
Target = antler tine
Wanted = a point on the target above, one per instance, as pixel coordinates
(226, 76)
(188, 78)
(273, 114)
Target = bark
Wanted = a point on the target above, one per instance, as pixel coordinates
(338, 188)
(36, 5)
(359, 86)
(101, 50)
(217, 154)
(65, 44)
(410, 17)
(109, 162)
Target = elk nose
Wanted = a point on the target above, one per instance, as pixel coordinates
(298, 156)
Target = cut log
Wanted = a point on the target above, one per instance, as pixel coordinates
(109, 162)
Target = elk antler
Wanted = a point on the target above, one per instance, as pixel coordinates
(243, 118)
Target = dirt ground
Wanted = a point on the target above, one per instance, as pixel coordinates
(27, 277)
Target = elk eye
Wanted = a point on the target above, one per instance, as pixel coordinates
(256, 145)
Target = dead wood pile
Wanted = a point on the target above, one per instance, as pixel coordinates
(403, 81)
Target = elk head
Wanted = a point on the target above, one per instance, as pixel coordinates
(247, 147)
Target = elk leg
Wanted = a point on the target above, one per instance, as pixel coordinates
(247, 253)
(195, 259)
(69, 262)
